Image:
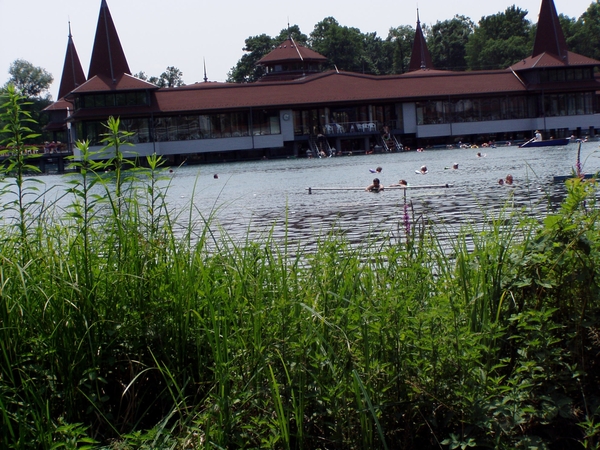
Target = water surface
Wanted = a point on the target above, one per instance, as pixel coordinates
(271, 195)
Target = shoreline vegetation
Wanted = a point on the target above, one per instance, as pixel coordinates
(117, 333)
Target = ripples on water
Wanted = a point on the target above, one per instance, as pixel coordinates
(261, 196)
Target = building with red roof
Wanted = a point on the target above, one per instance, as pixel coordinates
(298, 109)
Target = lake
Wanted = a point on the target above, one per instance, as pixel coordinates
(258, 196)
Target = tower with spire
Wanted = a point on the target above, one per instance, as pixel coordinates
(72, 77)
(550, 50)
(108, 57)
(420, 58)
(72, 74)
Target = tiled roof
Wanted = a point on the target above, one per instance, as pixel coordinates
(547, 60)
(72, 75)
(108, 57)
(102, 83)
(289, 51)
(331, 87)
(59, 105)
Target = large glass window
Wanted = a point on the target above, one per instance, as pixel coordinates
(265, 122)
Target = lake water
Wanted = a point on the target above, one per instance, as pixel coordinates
(260, 196)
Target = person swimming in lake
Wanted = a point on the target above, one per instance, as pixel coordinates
(423, 170)
(378, 170)
(509, 179)
(401, 183)
(375, 186)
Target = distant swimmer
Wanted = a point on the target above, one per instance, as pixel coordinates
(481, 155)
(422, 171)
(215, 176)
(375, 186)
(401, 183)
(454, 167)
(378, 170)
(509, 179)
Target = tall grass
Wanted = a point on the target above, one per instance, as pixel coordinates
(116, 332)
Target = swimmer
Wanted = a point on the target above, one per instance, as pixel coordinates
(454, 167)
(375, 187)
(422, 171)
(401, 183)
(500, 181)
(509, 179)
(378, 170)
(215, 176)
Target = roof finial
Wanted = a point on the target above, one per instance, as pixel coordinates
(205, 77)
(289, 31)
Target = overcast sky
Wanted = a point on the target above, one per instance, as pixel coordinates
(181, 33)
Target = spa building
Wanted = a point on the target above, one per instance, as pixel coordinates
(298, 109)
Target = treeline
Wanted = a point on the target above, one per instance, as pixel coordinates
(495, 42)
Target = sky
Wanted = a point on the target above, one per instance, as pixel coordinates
(186, 33)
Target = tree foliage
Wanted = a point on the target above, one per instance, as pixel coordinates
(171, 77)
(447, 42)
(31, 81)
(343, 46)
(400, 41)
(500, 40)
(585, 34)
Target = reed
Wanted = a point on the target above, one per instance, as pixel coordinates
(119, 330)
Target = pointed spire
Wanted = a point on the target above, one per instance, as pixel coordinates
(549, 37)
(108, 57)
(72, 75)
(420, 57)
(205, 77)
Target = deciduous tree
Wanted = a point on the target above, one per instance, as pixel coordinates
(500, 40)
(246, 70)
(31, 81)
(447, 42)
(585, 36)
(342, 46)
(400, 41)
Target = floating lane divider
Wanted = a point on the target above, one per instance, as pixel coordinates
(401, 188)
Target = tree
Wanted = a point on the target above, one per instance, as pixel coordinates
(343, 46)
(447, 42)
(172, 77)
(293, 32)
(29, 80)
(377, 55)
(32, 83)
(142, 76)
(500, 40)
(585, 37)
(246, 70)
(399, 42)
